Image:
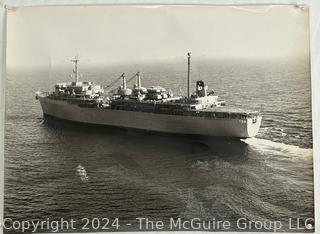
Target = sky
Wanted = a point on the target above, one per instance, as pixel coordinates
(51, 36)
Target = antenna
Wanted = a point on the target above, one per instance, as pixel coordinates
(189, 79)
(75, 69)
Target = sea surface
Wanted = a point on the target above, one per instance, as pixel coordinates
(131, 174)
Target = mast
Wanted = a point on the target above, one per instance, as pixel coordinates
(189, 79)
(139, 80)
(124, 82)
(75, 69)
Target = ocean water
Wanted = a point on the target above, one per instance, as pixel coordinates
(132, 174)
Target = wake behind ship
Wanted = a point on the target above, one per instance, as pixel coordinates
(153, 108)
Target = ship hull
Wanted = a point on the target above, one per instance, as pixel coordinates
(150, 121)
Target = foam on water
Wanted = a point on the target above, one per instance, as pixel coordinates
(201, 165)
(263, 144)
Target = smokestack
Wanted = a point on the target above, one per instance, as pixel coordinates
(124, 82)
(189, 79)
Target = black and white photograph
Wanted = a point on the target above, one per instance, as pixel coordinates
(129, 118)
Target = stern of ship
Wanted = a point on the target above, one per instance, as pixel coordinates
(253, 126)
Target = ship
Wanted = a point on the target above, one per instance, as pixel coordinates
(154, 108)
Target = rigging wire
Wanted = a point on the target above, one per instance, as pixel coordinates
(118, 79)
(114, 82)
(132, 77)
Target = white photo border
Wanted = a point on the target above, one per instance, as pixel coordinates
(314, 21)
